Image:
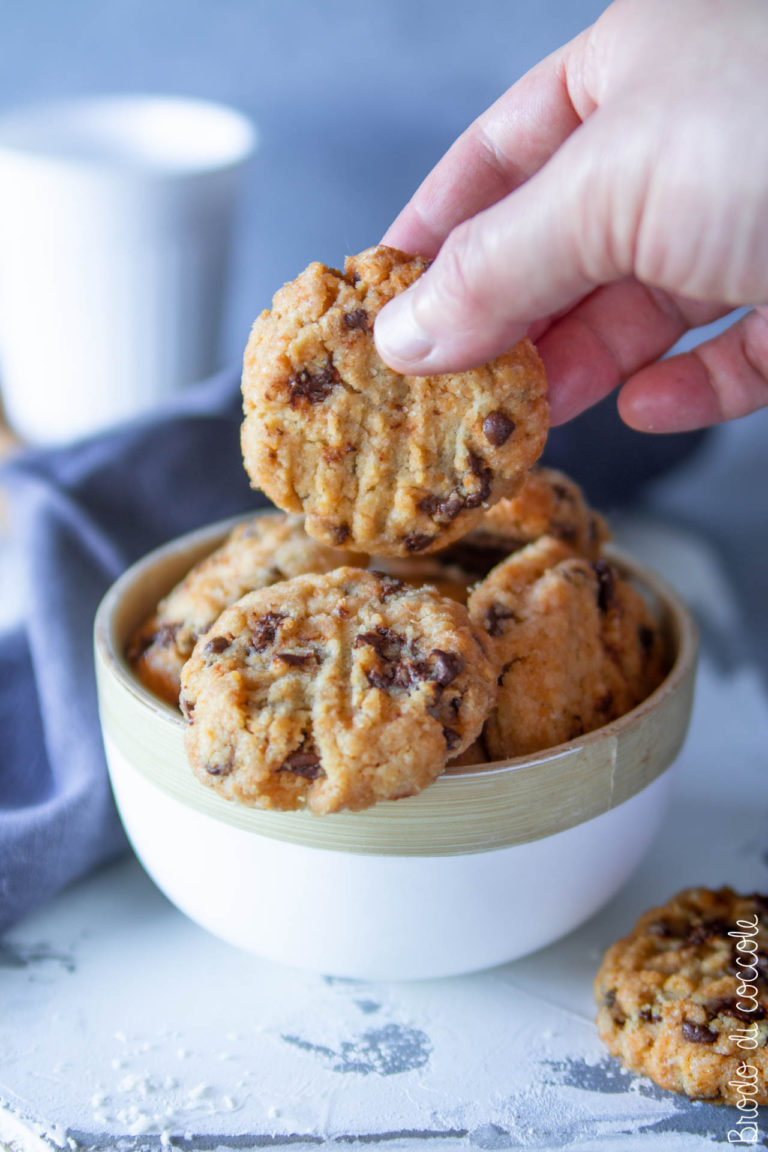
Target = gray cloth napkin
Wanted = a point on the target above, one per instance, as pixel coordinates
(80, 516)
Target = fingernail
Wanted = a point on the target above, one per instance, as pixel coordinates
(398, 335)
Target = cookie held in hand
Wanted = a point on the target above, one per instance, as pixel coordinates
(334, 691)
(387, 464)
(684, 997)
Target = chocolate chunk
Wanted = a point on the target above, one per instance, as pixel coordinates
(645, 637)
(187, 707)
(264, 630)
(340, 533)
(649, 1016)
(442, 508)
(609, 999)
(166, 634)
(662, 928)
(417, 542)
(606, 586)
(497, 428)
(494, 616)
(729, 1006)
(452, 738)
(446, 666)
(163, 636)
(697, 1033)
(223, 769)
(297, 659)
(218, 645)
(482, 473)
(306, 764)
(568, 533)
(388, 645)
(314, 387)
(704, 931)
(357, 319)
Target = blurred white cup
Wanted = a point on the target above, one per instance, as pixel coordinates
(115, 224)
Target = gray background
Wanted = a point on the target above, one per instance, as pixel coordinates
(354, 102)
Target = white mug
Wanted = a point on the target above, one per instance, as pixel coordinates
(115, 225)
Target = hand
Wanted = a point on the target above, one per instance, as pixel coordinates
(613, 198)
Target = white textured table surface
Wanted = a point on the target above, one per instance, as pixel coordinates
(123, 1025)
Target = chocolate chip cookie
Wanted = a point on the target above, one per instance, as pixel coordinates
(390, 464)
(260, 552)
(576, 646)
(684, 997)
(548, 503)
(334, 691)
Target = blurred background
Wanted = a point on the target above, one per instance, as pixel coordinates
(353, 102)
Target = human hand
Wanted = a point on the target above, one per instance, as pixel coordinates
(613, 198)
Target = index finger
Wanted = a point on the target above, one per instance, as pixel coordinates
(506, 145)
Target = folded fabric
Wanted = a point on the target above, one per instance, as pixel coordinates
(80, 515)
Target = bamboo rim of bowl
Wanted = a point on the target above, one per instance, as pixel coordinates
(468, 809)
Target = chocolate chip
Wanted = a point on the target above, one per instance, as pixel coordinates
(340, 533)
(649, 1016)
(166, 634)
(443, 508)
(662, 928)
(697, 1033)
(497, 428)
(609, 999)
(705, 930)
(446, 666)
(390, 586)
(264, 630)
(223, 769)
(163, 636)
(482, 473)
(452, 738)
(417, 542)
(494, 616)
(297, 659)
(606, 586)
(187, 707)
(357, 319)
(306, 764)
(314, 387)
(387, 645)
(645, 636)
(218, 645)
(729, 1006)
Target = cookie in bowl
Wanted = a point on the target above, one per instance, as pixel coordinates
(334, 691)
(377, 461)
(576, 646)
(264, 550)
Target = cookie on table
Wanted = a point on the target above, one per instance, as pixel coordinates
(688, 981)
(260, 552)
(575, 643)
(389, 464)
(334, 691)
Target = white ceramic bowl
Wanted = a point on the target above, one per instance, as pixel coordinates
(488, 864)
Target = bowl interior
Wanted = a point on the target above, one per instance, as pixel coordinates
(468, 808)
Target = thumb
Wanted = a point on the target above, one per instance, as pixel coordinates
(537, 251)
